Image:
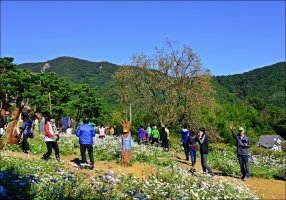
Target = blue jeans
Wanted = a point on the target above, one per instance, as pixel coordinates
(244, 167)
(193, 156)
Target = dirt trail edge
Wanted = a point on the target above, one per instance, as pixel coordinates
(263, 188)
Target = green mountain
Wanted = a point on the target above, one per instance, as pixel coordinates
(77, 71)
(255, 99)
(261, 86)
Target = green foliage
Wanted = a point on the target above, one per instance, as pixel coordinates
(230, 109)
(264, 90)
(250, 99)
(6, 64)
(283, 146)
(170, 85)
(267, 152)
(86, 101)
(266, 84)
(91, 73)
(66, 100)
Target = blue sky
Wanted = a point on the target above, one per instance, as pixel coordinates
(229, 37)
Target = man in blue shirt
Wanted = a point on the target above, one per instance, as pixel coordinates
(86, 133)
(242, 143)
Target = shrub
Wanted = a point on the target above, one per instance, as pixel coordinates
(283, 146)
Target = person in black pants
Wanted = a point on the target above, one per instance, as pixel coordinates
(204, 149)
(185, 134)
(86, 133)
(243, 144)
(51, 138)
(116, 132)
(27, 125)
(164, 139)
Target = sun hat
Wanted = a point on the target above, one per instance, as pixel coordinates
(241, 128)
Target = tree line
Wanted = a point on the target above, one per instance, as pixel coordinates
(169, 88)
(46, 92)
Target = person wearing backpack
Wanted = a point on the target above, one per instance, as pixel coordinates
(193, 146)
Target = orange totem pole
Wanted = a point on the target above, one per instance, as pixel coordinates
(126, 143)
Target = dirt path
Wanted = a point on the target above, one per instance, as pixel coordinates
(263, 188)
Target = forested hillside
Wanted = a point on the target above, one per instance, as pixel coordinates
(255, 99)
(77, 70)
(261, 86)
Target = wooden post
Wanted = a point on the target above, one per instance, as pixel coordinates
(130, 113)
(50, 101)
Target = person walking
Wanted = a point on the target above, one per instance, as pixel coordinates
(168, 139)
(116, 132)
(102, 132)
(39, 124)
(148, 132)
(185, 134)
(155, 136)
(243, 144)
(26, 127)
(164, 139)
(85, 133)
(193, 146)
(111, 130)
(2, 122)
(204, 149)
(141, 134)
(51, 138)
(145, 135)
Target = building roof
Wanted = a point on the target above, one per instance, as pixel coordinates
(268, 141)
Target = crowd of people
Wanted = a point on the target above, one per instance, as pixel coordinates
(86, 131)
(151, 135)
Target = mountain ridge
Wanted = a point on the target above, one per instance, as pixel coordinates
(258, 83)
